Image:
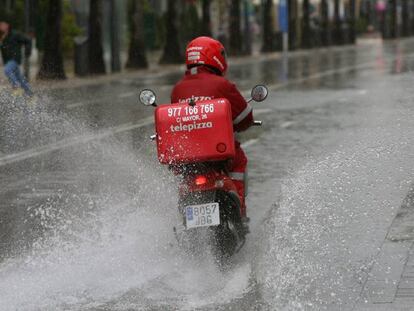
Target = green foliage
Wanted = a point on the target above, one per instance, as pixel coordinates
(151, 33)
(161, 30)
(69, 29)
(16, 16)
(153, 25)
(190, 24)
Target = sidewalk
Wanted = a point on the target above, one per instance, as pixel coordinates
(74, 81)
(390, 285)
(155, 69)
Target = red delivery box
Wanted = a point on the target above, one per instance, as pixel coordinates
(198, 133)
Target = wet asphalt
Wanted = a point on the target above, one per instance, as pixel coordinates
(84, 223)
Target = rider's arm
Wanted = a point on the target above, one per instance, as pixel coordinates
(242, 112)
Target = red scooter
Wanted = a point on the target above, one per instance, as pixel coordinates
(196, 140)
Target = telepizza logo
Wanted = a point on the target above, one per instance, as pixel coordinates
(191, 127)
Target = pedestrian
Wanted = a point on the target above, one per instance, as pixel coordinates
(11, 43)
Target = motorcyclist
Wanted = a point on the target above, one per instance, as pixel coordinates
(204, 79)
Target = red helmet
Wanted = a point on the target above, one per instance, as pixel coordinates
(206, 51)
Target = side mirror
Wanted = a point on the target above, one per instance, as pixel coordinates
(259, 93)
(147, 98)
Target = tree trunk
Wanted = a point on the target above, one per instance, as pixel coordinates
(136, 54)
(206, 18)
(306, 30)
(337, 33)
(268, 34)
(189, 27)
(52, 62)
(325, 37)
(96, 63)
(411, 26)
(236, 38)
(247, 35)
(293, 15)
(393, 19)
(172, 50)
(115, 38)
(352, 30)
(405, 18)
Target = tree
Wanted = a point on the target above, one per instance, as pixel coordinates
(96, 63)
(136, 52)
(411, 20)
(172, 50)
(325, 31)
(206, 18)
(337, 32)
(247, 35)
(352, 22)
(52, 62)
(393, 32)
(293, 17)
(236, 38)
(306, 29)
(13, 12)
(405, 11)
(115, 37)
(189, 27)
(268, 34)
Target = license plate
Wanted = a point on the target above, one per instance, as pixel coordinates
(203, 215)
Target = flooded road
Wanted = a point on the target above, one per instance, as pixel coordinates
(86, 212)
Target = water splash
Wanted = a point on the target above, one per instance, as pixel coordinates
(322, 237)
(103, 232)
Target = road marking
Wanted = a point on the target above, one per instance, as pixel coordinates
(69, 142)
(362, 92)
(278, 86)
(166, 87)
(80, 104)
(274, 87)
(31, 153)
(92, 101)
(126, 94)
(262, 111)
(249, 143)
(286, 124)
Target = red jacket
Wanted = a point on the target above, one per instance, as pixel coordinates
(199, 83)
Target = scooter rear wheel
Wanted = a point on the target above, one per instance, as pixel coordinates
(229, 236)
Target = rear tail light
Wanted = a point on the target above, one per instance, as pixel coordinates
(200, 180)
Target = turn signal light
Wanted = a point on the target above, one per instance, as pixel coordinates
(200, 180)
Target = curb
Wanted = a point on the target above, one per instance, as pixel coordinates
(160, 70)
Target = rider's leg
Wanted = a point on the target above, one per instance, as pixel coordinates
(238, 175)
